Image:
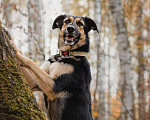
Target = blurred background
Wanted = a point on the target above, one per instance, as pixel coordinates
(119, 55)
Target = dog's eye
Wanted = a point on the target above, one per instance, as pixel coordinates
(79, 23)
(67, 21)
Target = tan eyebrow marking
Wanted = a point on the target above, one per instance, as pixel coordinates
(66, 19)
(78, 19)
(69, 18)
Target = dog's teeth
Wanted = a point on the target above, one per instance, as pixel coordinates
(69, 43)
(65, 42)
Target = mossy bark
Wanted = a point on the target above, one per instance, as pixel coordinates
(16, 99)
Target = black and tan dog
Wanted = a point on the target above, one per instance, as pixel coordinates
(65, 78)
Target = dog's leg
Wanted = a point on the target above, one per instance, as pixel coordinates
(40, 77)
(30, 78)
(44, 81)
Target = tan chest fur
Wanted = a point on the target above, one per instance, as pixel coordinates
(58, 68)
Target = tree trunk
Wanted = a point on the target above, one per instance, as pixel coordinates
(125, 59)
(148, 59)
(31, 40)
(35, 32)
(40, 43)
(7, 13)
(16, 100)
(100, 88)
(140, 56)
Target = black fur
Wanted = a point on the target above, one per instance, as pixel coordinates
(76, 105)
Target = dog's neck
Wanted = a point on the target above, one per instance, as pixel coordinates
(72, 53)
(81, 51)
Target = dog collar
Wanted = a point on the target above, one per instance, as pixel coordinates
(72, 53)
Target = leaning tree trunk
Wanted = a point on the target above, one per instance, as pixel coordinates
(16, 100)
(125, 59)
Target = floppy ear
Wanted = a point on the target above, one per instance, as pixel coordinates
(91, 25)
(58, 22)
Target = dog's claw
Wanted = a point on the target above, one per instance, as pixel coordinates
(15, 47)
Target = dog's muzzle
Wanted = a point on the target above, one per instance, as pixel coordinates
(71, 35)
(70, 29)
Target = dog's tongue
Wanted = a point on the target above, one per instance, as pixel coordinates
(70, 38)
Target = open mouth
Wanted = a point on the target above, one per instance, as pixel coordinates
(70, 39)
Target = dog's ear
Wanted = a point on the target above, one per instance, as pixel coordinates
(58, 22)
(91, 25)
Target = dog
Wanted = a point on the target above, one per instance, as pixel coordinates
(64, 78)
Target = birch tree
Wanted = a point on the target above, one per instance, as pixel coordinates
(38, 31)
(140, 56)
(35, 32)
(7, 13)
(100, 90)
(31, 42)
(125, 59)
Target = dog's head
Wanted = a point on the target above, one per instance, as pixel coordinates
(74, 32)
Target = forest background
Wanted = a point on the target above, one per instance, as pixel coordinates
(119, 55)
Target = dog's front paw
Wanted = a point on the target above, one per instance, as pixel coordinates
(15, 47)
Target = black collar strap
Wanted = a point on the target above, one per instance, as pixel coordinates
(72, 53)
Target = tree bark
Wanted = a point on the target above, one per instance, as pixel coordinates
(35, 32)
(16, 100)
(40, 43)
(99, 105)
(31, 40)
(140, 56)
(7, 13)
(125, 59)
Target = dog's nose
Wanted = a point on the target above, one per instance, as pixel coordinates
(70, 28)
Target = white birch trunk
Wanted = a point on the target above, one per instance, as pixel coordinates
(40, 55)
(31, 43)
(35, 32)
(7, 13)
(125, 59)
(140, 46)
(100, 65)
